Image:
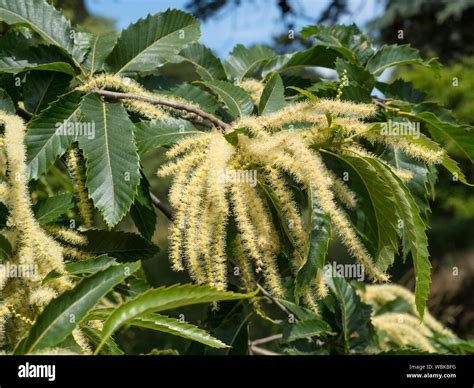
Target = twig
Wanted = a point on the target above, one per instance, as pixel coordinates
(161, 206)
(172, 104)
(265, 340)
(24, 114)
(262, 352)
(274, 300)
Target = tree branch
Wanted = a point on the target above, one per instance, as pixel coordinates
(274, 300)
(161, 206)
(161, 101)
(265, 340)
(262, 352)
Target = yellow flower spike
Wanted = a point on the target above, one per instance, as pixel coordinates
(404, 175)
(254, 88)
(245, 226)
(218, 257)
(42, 296)
(308, 300)
(291, 211)
(82, 341)
(181, 180)
(182, 146)
(192, 202)
(408, 147)
(83, 205)
(67, 235)
(206, 235)
(342, 191)
(321, 285)
(253, 123)
(344, 108)
(402, 334)
(4, 192)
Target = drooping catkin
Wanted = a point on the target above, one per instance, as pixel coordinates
(79, 184)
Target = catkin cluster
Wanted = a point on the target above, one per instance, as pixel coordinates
(213, 189)
(402, 328)
(35, 252)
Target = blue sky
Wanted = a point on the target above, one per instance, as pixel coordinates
(254, 22)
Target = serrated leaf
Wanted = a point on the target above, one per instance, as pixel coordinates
(235, 98)
(273, 96)
(165, 298)
(352, 315)
(44, 19)
(207, 101)
(122, 245)
(176, 327)
(47, 58)
(348, 41)
(165, 132)
(6, 103)
(208, 66)
(82, 267)
(142, 210)
(101, 46)
(47, 136)
(305, 329)
(319, 238)
(54, 323)
(52, 208)
(242, 60)
(391, 55)
(462, 136)
(381, 203)
(415, 235)
(43, 87)
(153, 41)
(112, 161)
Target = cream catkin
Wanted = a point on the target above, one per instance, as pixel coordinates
(35, 251)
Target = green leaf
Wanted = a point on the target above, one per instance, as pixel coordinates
(348, 41)
(305, 329)
(44, 19)
(47, 137)
(122, 245)
(208, 66)
(101, 46)
(235, 98)
(302, 313)
(310, 96)
(414, 235)
(242, 60)
(6, 103)
(165, 298)
(112, 161)
(165, 132)
(142, 210)
(43, 87)
(462, 136)
(207, 101)
(392, 55)
(52, 208)
(47, 58)
(5, 248)
(230, 324)
(319, 238)
(54, 323)
(153, 41)
(352, 315)
(176, 327)
(273, 96)
(82, 267)
(379, 201)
